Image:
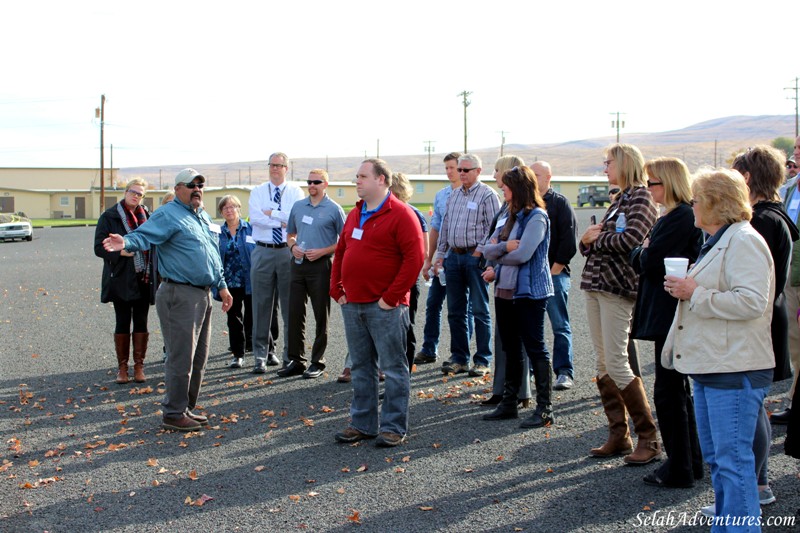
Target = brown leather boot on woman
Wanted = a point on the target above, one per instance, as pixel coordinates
(139, 351)
(648, 448)
(122, 344)
(619, 437)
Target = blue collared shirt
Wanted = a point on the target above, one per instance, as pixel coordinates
(366, 214)
(187, 249)
(439, 207)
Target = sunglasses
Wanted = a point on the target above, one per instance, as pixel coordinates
(276, 165)
(654, 183)
(315, 182)
(464, 170)
(791, 165)
(135, 193)
(194, 185)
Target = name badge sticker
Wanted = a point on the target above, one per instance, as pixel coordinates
(501, 222)
(793, 204)
(215, 228)
(250, 240)
(472, 205)
(272, 205)
(307, 220)
(357, 233)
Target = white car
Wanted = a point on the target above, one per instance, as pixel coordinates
(18, 228)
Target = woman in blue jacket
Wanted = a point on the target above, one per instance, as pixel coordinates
(235, 245)
(519, 247)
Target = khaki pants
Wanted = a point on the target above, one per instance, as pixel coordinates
(609, 325)
(792, 305)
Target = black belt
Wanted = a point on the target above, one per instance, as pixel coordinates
(462, 251)
(201, 287)
(271, 244)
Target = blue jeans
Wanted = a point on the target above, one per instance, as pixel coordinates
(559, 320)
(726, 425)
(377, 338)
(465, 287)
(433, 318)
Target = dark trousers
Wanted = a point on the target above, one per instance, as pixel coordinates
(520, 323)
(134, 310)
(411, 338)
(672, 396)
(309, 280)
(240, 321)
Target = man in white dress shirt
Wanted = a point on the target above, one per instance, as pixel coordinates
(270, 274)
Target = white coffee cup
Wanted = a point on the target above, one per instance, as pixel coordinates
(676, 266)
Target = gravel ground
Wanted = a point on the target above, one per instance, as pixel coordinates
(81, 453)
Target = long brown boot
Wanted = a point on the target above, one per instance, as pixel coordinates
(139, 351)
(122, 344)
(647, 448)
(619, 437)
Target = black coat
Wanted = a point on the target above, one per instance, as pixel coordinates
(120, 282)
(772, 222)
(673, 235)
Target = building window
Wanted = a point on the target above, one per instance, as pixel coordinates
(64, 201)
(420, 188)
(340, 192)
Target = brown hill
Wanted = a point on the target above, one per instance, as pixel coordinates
(694, 144)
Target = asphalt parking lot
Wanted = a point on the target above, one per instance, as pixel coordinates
(81, 453)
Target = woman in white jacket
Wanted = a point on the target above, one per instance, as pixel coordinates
(720, 337)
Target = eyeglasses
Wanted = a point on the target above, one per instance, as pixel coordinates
(791, 165)
(607, 162)
(276, 165)
(654, 183)
(314, 182)
(465, 170)
(136, 193)
(229, 207)
(194, 185)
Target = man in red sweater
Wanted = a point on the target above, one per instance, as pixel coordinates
(379, 256)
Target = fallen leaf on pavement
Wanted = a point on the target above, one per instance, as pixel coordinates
(355, 517)
(259, 468)
(152, 461)
(193, 475)
(426, 508)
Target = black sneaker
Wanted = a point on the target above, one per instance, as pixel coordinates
(294, 368)
(423, 359)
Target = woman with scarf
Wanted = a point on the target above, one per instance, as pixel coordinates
(128, 279)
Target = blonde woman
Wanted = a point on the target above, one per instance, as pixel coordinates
(610, 286)
(128, 280)
(673, 235)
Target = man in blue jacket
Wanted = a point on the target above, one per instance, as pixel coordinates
(189, 265)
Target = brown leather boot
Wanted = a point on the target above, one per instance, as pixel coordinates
(122, 344)
(648, 448)
(619, 437)
(139, 351)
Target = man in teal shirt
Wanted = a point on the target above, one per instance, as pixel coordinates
(189, 265)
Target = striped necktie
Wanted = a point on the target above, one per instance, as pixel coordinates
(277, 233)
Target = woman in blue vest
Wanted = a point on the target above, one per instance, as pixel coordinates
(235, 245)
(519, 248)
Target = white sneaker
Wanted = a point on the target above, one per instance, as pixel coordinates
(709, 510)
(766, 497)
(563, 382)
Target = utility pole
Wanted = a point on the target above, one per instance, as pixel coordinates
(225, 179)
(240, 177)
(378, 151)
(160, 184)
(465, 103)
(502, 142)
(795, 89)
(250, 174)
(100, 112)
(429, 148)
(111, 170)
(326, 163)
(616, 123)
